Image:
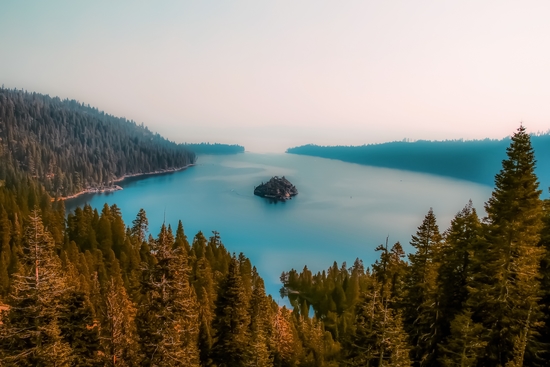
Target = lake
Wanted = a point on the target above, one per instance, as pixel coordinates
(342, 212)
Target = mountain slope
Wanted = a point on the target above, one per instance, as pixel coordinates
(69, 146)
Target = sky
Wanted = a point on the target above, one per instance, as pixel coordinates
(271, 75)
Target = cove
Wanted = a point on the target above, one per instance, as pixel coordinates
(342, 212)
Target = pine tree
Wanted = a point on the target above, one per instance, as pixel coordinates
(456, 269)
(206, 333)
(379, 338)
(506, 290)
(120, 334)
(231, 321)
(104, 232)
(399, 344)
(285, 339)
(140, 226)
(78, 324)
(31, 335)
(168, 321)
(422, 302)
(390, 271)
(204, 285)
(181, 238)
(118, 230)
(465, 344)
(545, 282)
(258, 354)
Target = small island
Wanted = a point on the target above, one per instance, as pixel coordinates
(278, 188)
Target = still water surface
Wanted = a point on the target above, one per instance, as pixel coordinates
(343, 210)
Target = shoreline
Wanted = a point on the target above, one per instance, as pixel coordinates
(113, 188)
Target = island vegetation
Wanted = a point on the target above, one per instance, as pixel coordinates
(277, 188)
(471, 160)
(87, 289)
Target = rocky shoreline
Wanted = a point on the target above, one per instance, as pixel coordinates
(112, 188)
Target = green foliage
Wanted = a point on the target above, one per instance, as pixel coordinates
(231, 320)
(465, 345)
(119, 330)
(456, 270)
(260, 326)
(545, 282)
(90, 291)
(168, 318)
(506, 291)
(79, 329)
(68, 146)
(31, 335)
(422, 300)
(140, 226)
(378, 338)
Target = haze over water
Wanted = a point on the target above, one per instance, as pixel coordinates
(343, 211)
(272, 75)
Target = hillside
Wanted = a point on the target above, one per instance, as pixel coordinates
(69, 146)
(473, 160)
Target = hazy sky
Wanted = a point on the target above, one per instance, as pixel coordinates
(275, 74)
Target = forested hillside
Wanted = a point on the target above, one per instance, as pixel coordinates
(88, 289)
(68, 146)
(472, 160)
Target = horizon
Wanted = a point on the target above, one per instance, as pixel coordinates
(275, 76)
(246, 150)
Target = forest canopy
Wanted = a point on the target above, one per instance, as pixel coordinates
(88, 289)
(471, 160)
(215, 148)
(69, 146)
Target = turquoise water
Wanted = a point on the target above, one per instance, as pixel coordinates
(343, 210)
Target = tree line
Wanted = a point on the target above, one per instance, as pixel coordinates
(69, 146)
(471, 160)
(86, 289)
(477, 294)
(215, 148)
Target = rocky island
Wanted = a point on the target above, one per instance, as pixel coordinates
(278, 188)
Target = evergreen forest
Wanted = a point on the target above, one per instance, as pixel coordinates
(215, 148)
(86, 289)
(69, 147)
(472, 160)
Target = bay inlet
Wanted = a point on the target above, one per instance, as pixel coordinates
(343, 212)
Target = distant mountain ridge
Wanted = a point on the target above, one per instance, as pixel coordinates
(472, 160)
(215, 148)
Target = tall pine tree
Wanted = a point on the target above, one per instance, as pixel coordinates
(168, 321)
(119, 329)
(31, 335)
(422, 299)
(456, 270)
(231, 321)
(506, 292)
